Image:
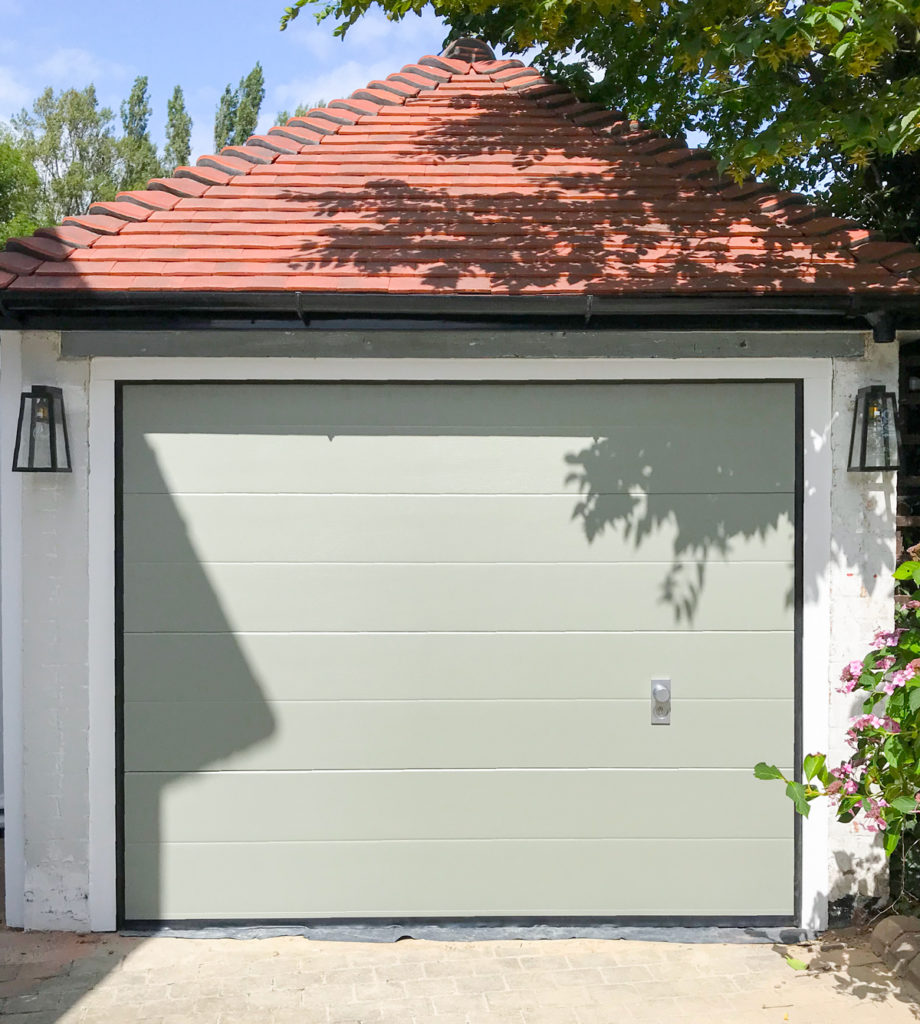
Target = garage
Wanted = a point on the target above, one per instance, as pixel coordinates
(387, 650)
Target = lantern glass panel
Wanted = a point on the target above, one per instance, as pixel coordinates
(874, 442)
(42, 445)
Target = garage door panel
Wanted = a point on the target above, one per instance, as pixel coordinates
(646, 457)
(458, 528)
(454, 734)
(445, 879)
(312, 806)
(217, 667)
(712, 408)
(387, 649)
(433, 598)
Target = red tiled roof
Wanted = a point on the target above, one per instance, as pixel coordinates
(458, 177)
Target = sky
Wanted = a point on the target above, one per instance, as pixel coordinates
(201, 45)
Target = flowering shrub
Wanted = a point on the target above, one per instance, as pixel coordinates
(879, 784)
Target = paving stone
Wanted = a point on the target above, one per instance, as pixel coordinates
(885, 933)
(283, 981)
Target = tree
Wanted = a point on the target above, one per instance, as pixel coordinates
(301, 110)
(178, 132)
(225, 119)
(238, 110)
(139, 154)
(68, 138)
(823, 97)
(20, 190)
(251, 94)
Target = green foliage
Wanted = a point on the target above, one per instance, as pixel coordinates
(225, 119)
(880, 783)
(178, 132)
(251, 95)
(140, 162)
(20, 189)
(68, 139)
(821, 97)
(238, 110)
(301, 110)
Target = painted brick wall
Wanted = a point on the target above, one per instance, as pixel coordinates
(861, 598)
(54, 662)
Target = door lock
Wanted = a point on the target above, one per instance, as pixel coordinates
(661, 702)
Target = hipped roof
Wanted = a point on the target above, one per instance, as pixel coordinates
(460, 175)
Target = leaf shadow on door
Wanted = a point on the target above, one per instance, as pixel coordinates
(689, 496)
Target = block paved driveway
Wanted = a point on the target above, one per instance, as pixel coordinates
(65, 978)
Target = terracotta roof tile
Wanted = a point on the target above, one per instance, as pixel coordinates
(100, 223)
(460, 174)
(70, 235)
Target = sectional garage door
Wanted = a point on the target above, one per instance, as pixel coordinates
(388, 649)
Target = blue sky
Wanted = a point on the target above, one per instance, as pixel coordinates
(198, 44)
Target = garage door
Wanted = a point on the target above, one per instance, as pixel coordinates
(388, 650)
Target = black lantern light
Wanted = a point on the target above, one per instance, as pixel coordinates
(41, 435)
(874, 441)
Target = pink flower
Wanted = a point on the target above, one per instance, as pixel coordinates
(850, 787)
(864, 722)
(899, 679)
(910, 605)
(850, 676)
(883, 639)
(885, 663)
(844, 771)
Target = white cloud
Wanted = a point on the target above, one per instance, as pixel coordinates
(13, 93)
(333, 84)
(75, 67)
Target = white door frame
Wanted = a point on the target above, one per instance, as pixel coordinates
(104, 372)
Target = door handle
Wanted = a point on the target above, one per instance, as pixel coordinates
(661, 702)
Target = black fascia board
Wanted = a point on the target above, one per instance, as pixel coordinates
(115, 310)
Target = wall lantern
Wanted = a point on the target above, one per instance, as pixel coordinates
(874, 441)
(41, 434)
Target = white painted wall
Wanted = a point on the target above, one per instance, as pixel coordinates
(53, 659)
(861, 591)
(57, 621)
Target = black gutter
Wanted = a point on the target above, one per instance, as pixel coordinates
(115, 310)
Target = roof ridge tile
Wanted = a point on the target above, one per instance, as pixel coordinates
(383, 96)
(18, 263)
(182, 187)
(422, 82)
(70, 234)
(231, 165)
(43, 248)
(399, 88)
(303, 136)
(426, 71)
(252, 154)
(360, 107)
(102, 224)
(321, 119)
(204, 174)
(274, 143)
(451, 64)
(150, 199)
(125, 210)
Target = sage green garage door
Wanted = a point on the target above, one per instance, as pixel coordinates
(388, 649)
